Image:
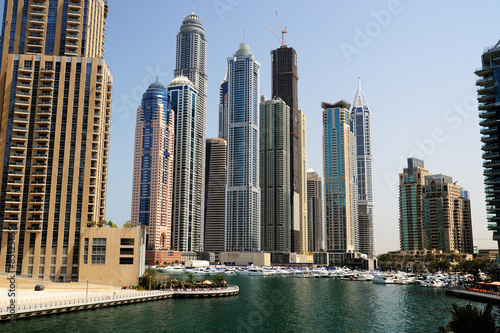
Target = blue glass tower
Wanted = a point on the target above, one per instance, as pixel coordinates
(339, 169)
(153, 166)
(243, 191)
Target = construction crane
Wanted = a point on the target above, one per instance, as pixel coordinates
(283, 31)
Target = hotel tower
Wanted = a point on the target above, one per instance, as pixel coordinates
(488, 96)
(55, 92)
(242, 190)
(153, 167)
(191, 59)
(361, 122)
(340, 186)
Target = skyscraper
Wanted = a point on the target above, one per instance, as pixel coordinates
(243, 191)
(361, 122)
(55, 92)
(276, 210)
(303, 228)
(187, 227)
(223, 109)
(315, 222)
(447, 223)
(215, 194)
(153, 167)
(411, 189)
(284, 86)
(191, 59)
(340, 185)
(488, 96)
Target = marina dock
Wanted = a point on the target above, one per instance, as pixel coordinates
(43, 307)
(480, 296)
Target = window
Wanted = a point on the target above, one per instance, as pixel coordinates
(126, 261)
(99, 251)
(86, 251)
(126, 251)
(127, 241)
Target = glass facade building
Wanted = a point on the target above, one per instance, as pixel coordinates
(276, 209)
(340, 180)
(243, 190)
(488, 96)
(187, 228)
(153, 167)
(191, 59)
(361, 122)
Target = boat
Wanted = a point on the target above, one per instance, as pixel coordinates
(171, 269)
(253, 271)
(381, 279)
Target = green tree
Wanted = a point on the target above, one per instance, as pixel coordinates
(190, 278)
(148, 278)
(471, 319)
(220, 278)
(128, 224)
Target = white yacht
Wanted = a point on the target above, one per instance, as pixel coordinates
(171, 269)
(253, 271)
(381, 279)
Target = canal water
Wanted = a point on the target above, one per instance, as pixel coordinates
(269, 304)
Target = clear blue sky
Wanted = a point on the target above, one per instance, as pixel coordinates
(416, 60)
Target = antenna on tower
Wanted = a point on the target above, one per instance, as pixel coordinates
(193, 8)
(283, 31)
(243, 35)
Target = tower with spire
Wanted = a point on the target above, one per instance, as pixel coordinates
(191, 58)
(361, 122)
(242, 190)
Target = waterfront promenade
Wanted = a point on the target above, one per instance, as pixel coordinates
(38, 303)
(481, 296)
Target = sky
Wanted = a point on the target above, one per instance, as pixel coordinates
(416, 60)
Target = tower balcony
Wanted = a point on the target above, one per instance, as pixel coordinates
(486, 106)
(23, 93)
(490, 89)
(484, 71)
(489, 147)
(73, 21)
(19, 120)
(36, 28)
(17, 137)
(24, 77)
(37, 13)
(35, 37)
(43, 121)
(74, 13)
(74, 5)
(46, 86)
(47, 78)
(70, 53)
(489, 138)
(71, 45)
(45, 95)
(488, 130)
(25, 69)
(73, 37)
(36, 20)
(488, 122)
(24, 86)
(42, 156)
(74, 29)
(44, 111)
(22, 102)
(38, 5)
(45, 103)
(46, 70)
(13, 200)
(484, 81)
(12, 209)
(491, 164)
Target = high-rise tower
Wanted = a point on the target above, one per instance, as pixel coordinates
(276, 210)
(315, 221)
(55, 95)
(284, 85)
(243, 191)
(187, 229)
(488, 96)
(411, 189)
(191, 58)
(215, 194)
(153, 167)
(361, 122)
(340, 184)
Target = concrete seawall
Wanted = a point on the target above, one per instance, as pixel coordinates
(474, 295)
(42, 307)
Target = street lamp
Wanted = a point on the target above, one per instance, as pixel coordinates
(87, 288)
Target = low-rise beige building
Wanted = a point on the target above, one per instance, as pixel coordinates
(112, 256)
(245, 258)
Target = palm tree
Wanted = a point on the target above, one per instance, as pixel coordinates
(471, 319)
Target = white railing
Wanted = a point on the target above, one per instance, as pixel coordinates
(38, 305)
